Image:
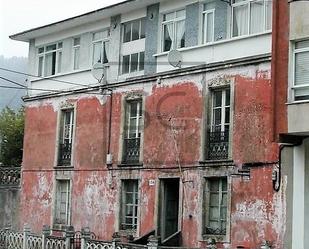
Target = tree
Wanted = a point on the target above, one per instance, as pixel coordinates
(11, 136)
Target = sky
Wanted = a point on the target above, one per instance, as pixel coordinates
(21, 15)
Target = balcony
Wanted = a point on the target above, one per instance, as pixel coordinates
(65, 152)
(218, 145)
(131, 151)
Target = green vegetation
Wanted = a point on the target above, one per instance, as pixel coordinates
(11, 136)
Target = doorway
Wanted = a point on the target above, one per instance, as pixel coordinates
(169, 208)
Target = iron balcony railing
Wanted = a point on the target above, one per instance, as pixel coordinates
(131, 150)
(218, 145)
(65, 152)
(10, 176)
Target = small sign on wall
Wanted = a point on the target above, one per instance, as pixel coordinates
(152, 182)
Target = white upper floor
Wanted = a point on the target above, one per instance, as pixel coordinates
(133, 38)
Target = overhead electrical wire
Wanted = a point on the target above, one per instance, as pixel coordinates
(36, 76)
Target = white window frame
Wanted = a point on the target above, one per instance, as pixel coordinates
(207, 203)
(140, 20)
(248, 3)
(130, 63)
(103, 41)
(138, 117)
(205, 13)
(57, 209)
(174, 22)
(124, 205)
(222, 107)
(76, 48)
(295, 87)
(43, 55)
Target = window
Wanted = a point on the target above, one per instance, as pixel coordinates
(66, 137)
(301, 72)
(133, 123)
(208, 25)
(173, 30)
(216, 206)
(218, 137)
(50, 59)
(62, 203)
(100, 45)
(129, 205)
(76, 53)
(251, 16)
(134, 30)
(133, 63)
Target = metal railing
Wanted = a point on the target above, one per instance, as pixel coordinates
(65, 152)
(131, 150)
(10, 176)
(218, 145)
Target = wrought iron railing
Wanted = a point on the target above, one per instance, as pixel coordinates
(218, 145)
(65, 152)
(10, 176)
(215, 231)
(131, 150)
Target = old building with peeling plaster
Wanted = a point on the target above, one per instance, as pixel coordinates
(185, 153)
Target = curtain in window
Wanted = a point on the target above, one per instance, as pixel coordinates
(240, 20)
(180, 33)
(257, 17)
(48, 64)
(168, 39)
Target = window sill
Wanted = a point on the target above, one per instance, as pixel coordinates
(218, 238)
(60, 75)
(217, 163)
(60, 167)
(298, 102)
(130, 165)
(216, 43)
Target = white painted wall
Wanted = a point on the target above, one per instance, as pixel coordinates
(298, 198)
(219, 51)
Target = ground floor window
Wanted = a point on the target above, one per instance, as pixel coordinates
(62, 202)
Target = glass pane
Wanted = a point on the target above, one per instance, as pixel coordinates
(125, 64)
(168, 30)
(214, 224)
(129, 198)
(217, 117)
(169, 16)
(105, 51)
(180, 34)
(269, 14)
(227, 97)
(76, 41)
(224, 184)
(240, 20)
(223, 214)
(141, 61)
(214, 199)
(134, 62)
(133, 109)
(50, 64)
(302, 44)
(180, 13)
(40, 71)
(302, 93)
(133, 128)
(143, 28)
(214, 185)
(51, 47)
(257, 17)
(126, 32)
(214, 213)
(76, 58)
(227, 115)
(97, 56)
(41, 50)
(217, 98)
(98, 36)
(59, 64)
(209, 27)
(301, 68)
(135, 30)
(224, 199)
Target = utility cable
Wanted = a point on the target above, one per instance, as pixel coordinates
(40, 77)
